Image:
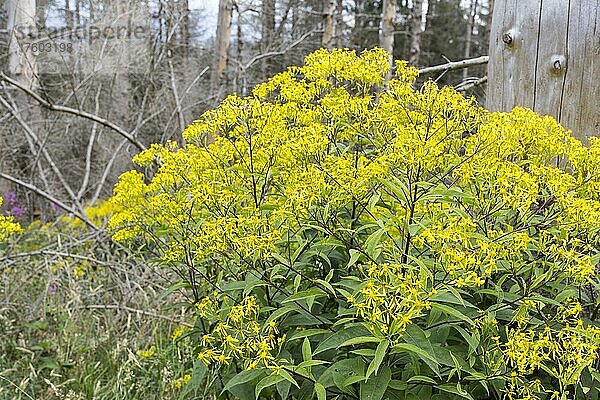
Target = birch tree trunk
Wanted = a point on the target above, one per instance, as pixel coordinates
(21, 21)
(22, 66)
(329, 24)
(386, 31)
(221, 44)
(416, 29)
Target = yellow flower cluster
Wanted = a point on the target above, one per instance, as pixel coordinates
(390, 299)
(147, 353)
(238, 335)
(181, 382)
(564, 354)
(467, 258)
(8, 226)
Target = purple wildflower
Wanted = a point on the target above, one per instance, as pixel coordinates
(17, 211)
(11, 198)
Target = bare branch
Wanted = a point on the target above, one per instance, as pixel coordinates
(88, 153)
(42, 149)
(454, 65)
(51, 198)
(74, 111)
(470, 83)
(279, 52)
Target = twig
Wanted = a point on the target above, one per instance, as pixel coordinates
(178, 109)
(466, 85)
(74, 111)
(88, 154)
(106, 172)
(279, 52)
(451, 66)
(34, 138)
(51, 198)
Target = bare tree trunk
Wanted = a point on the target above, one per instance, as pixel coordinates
(41, 13)
(240, 75)
(267, 34)
(329, 24)
(221, 44)
(386, 30)
(184, 11)
(339, 23)
(416, 29)
(21, 22)
(92, 11)
(77, 13)
(469, 34)
(68, 16)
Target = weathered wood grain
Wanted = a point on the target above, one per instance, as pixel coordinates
(545, 55)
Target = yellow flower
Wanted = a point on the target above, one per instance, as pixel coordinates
(147, 353)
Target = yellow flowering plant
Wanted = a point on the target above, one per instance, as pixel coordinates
(352, 238)
(8, 226)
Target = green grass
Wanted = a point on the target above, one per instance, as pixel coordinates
(71, 326)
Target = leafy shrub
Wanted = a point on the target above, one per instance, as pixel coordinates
(345, 238)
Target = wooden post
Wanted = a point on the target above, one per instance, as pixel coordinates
(545, 55)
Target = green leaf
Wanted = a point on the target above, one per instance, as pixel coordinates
(253, 284)
(280, 312)
(173, 288)
(364, 352)
(233, 286)
(320, 391)
(283, 388)
(360, 340)
(306, 351)
(398, 188)
(398, 385)
(455, 389)
(354, 255)
(374, 388)
(199, 371)
(327, 286)
(286, 375)
(339, 372)
(307, 333)
(340, 337)
(373, 243)
(472, 340)
(310, 363)
(305, 294)
(242, 377)
(407, 347)
(266, 382)
(379, 355)
(421, 378)
(351, 380)
(452, 312)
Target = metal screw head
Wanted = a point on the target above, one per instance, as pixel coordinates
(507, 38)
